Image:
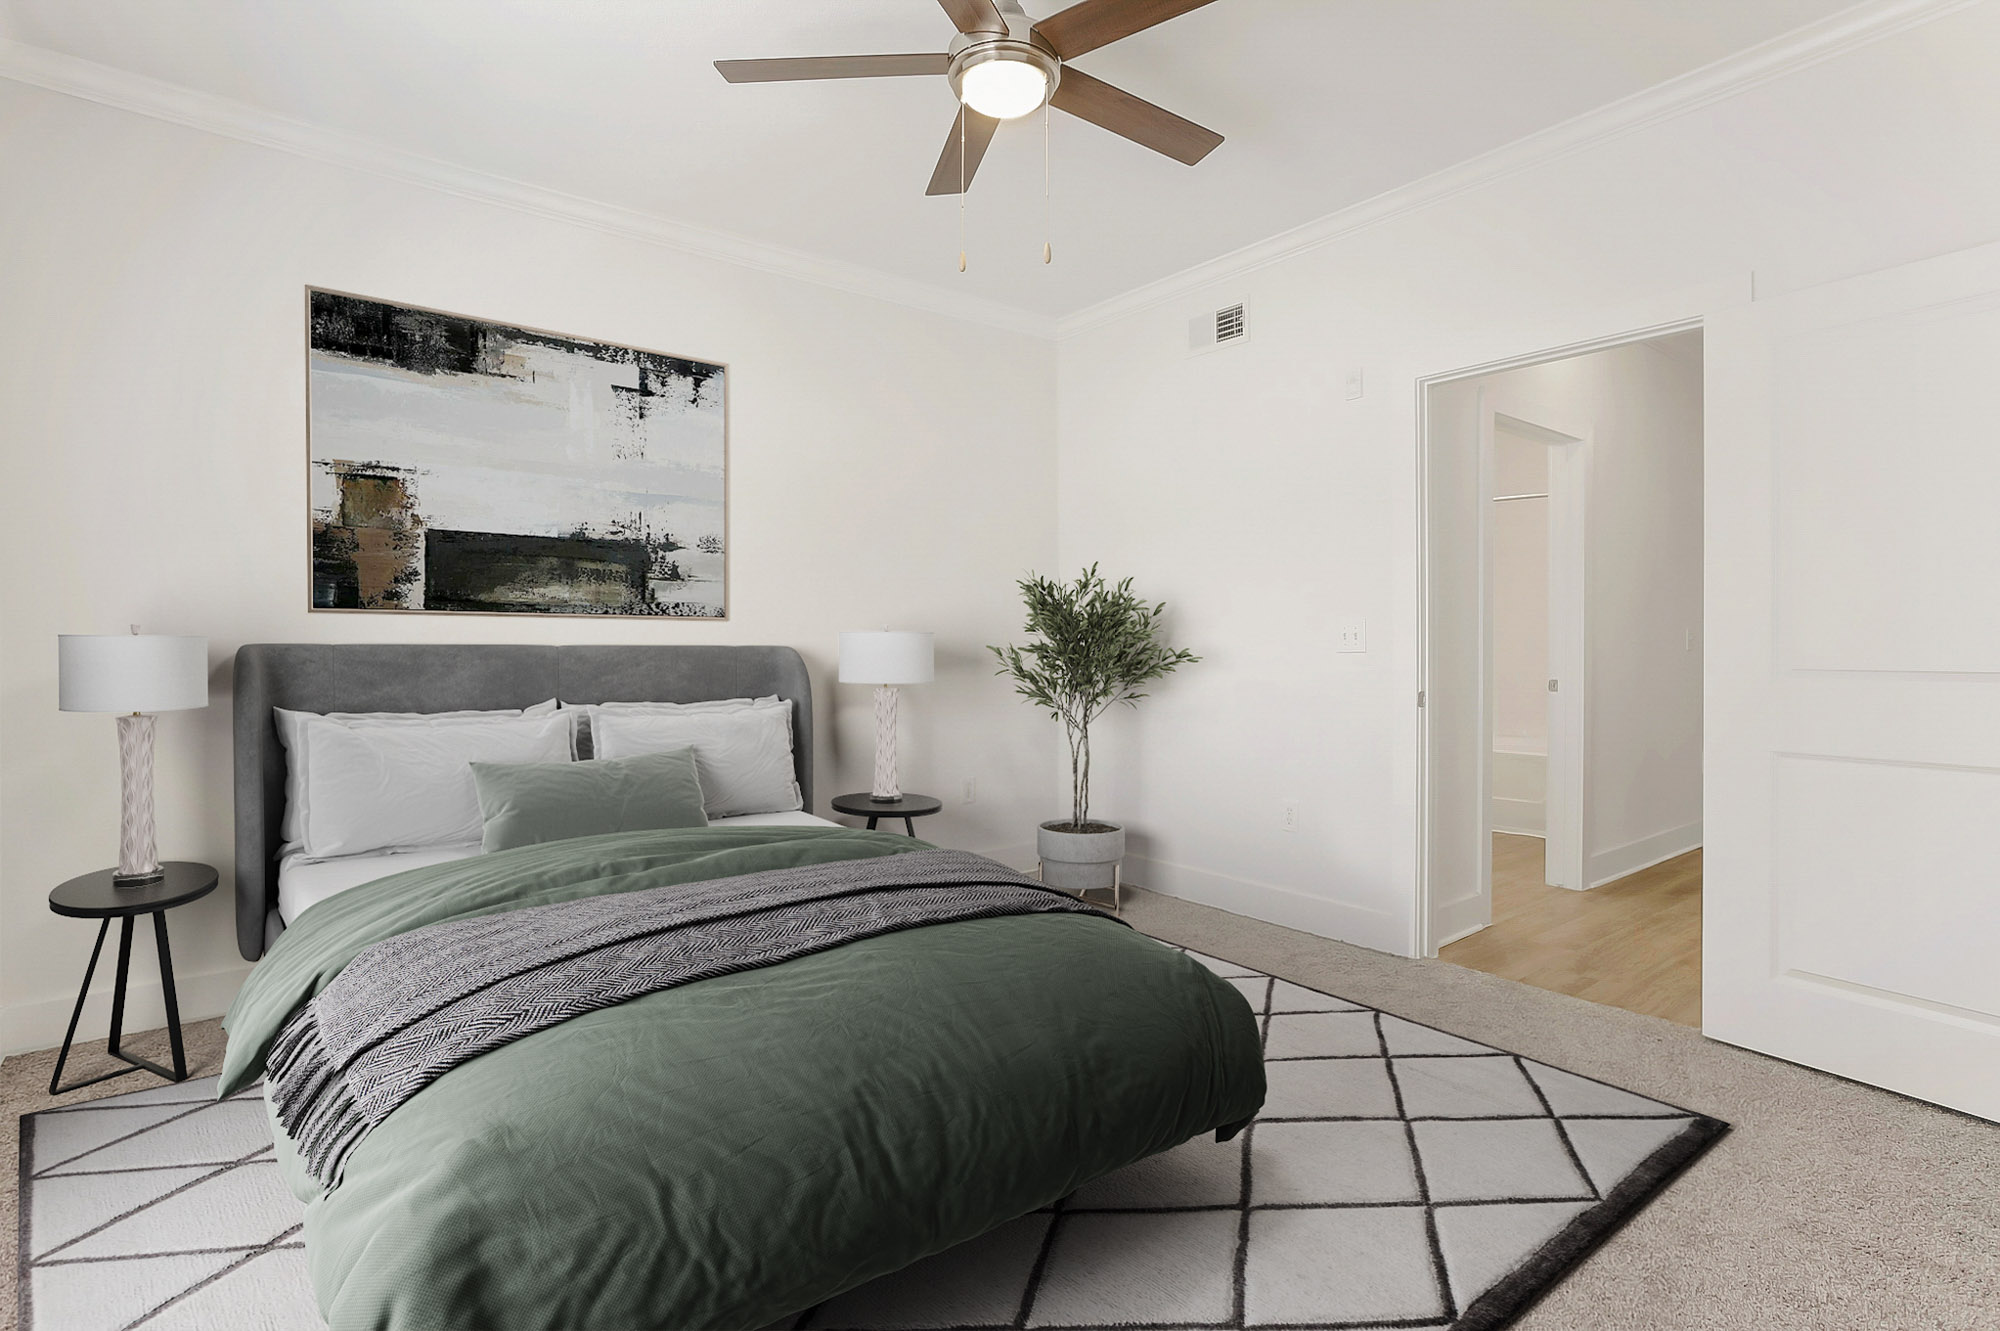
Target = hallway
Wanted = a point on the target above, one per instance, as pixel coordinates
(1633, 944)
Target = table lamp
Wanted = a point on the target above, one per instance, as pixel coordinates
(886, 659)
(134, 675)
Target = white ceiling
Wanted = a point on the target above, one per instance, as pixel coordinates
(1324, 103)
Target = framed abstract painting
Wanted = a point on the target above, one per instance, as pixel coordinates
(461, 465)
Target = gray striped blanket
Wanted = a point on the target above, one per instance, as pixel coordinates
(408, 1009)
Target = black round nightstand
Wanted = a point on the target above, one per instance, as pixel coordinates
(95, 897)
(864, 805)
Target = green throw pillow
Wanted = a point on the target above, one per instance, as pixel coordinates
(524, 804)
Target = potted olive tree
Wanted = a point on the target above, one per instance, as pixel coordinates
(1097, 646)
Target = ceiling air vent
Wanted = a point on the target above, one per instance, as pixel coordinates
(1218, 328)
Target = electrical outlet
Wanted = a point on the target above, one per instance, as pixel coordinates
(971, 795)
(1288, 816)
(1354, 636)
(1354, 387)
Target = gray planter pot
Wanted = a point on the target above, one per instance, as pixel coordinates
(1080, 861)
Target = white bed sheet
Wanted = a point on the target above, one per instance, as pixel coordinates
(305, 883)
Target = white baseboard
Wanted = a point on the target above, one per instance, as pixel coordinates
(1520, 817)
(25, 1027)
(1348, 923)
(1466, 932)
(1609, 865)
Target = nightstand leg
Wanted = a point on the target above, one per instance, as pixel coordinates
(118, 989)
(55, 1078)
(871, 822)
(173, 1002)
(909, 827)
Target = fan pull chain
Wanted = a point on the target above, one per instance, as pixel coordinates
(961, 187)
(1048, 211)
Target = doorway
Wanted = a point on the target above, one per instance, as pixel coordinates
(1562, 697)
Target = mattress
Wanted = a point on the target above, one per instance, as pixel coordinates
(303, 883)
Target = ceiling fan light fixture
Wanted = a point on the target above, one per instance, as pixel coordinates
(1004, 88)
(1003, 65)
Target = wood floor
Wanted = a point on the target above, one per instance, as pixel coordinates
(1634, 943)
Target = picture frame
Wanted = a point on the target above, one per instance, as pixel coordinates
(463, 465)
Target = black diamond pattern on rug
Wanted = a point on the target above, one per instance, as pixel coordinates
(1399, 1177)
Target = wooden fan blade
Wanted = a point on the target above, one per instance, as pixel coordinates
(1134, 117)
(830, 67)
(974, 16)
(978, 133)
(1094, 23)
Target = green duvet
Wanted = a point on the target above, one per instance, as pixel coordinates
(735, 1150)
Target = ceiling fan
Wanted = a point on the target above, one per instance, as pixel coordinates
(1001, 66)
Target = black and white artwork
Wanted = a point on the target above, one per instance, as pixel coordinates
(458, 464)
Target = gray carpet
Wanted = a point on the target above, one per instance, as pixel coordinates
(1398, 1176)
(1830, 1206)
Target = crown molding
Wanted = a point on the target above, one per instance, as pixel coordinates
(142, 95)
(1799, 49)
(1795, 50)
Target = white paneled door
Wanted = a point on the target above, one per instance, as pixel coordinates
(1852, 894)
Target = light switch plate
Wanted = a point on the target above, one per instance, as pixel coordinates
(1354, 385)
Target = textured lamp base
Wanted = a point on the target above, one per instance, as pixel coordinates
(138, 856)
(886, 791)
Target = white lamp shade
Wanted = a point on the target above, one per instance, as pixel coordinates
(887, 658)
(131, 672)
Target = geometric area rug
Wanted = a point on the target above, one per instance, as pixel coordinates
(1398, 1177)
(163, 1209)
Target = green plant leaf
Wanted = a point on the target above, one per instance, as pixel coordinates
(1094, 646)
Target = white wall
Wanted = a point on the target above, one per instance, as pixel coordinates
(1643, 590)
(1520, 554)
(152, 376)
(1266, 507)
(1519, 550)
(151, 394)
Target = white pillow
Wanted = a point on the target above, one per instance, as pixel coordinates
(707, 705)
(291, 737)
(394, 787)
(583, 716)
(742, 755)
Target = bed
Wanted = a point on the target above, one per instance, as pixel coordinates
(798, 1113)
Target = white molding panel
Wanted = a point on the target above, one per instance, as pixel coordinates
(1853, 761)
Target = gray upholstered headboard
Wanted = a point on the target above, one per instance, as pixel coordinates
(356, 677)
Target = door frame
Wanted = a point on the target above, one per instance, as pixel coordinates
(1426, 943)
